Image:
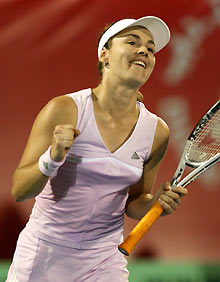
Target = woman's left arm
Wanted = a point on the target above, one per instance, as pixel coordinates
(140, 198)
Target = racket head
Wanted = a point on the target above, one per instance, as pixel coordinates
(204, 140)
(203, 144)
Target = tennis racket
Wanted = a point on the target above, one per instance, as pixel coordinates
(202, 151)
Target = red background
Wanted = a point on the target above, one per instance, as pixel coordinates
(49, 48)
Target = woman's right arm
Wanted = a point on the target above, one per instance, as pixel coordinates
(55, 125)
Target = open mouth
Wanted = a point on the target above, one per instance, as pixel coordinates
(139, 63)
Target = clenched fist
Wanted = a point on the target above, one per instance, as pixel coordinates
(63, 137)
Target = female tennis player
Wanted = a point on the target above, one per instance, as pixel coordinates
(92, 156)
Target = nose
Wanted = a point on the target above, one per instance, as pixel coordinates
(143, 51)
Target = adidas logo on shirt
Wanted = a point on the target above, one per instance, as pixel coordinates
(135, 156)
(45, 165)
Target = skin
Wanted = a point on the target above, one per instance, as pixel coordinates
(116, 113)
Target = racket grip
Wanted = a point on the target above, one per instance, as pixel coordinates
(140, 229)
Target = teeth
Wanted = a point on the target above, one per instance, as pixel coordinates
(139, 63)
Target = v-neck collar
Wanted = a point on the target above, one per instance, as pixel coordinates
(123, 146)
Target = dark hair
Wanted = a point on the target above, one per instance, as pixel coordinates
(107, 45)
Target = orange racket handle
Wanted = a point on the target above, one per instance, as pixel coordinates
(140, 229)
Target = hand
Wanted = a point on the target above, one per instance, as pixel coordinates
(63, 137)
(170, 199)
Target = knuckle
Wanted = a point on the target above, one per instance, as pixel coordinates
(168, 209)
(57, 127)
(176, 197)
(177, 201)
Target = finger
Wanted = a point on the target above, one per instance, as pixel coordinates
(180, 191)
(167, 186)
(173, 203)
(76, 132)
(64, 145)
(65, 126)
(167, 208)
(171, 194)
(59, 137)
(64, 131)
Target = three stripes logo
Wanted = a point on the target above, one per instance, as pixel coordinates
(135, 156)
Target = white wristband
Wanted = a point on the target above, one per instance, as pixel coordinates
(47, 165)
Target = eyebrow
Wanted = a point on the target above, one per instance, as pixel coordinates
(138, 37)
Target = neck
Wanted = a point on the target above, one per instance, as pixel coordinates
(117, 100)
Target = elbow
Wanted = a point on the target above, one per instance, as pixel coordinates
(136, 208)
(17, 199)
(132, 215)
(16, 191)
(131, 208)
(16, 195)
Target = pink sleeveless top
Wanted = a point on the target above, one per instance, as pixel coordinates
(83, 205)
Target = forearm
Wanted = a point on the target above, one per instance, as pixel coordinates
(138, 205)
(28, 182)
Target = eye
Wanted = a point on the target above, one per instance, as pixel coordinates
(132, 43)
(150, 50)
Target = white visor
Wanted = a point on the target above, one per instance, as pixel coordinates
(157, 27)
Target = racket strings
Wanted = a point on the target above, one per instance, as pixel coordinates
(207, 143)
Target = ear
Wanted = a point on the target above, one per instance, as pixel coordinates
(104, 56)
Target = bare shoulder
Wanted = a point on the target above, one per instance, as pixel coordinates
(62, 101)
(59, 110)
(61, 106)
(160, 143)
(162, 130)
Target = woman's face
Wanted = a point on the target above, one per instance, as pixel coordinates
(131, 57)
